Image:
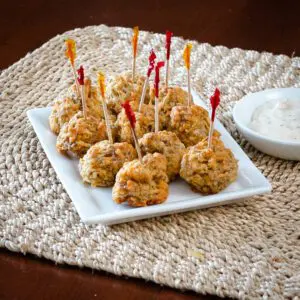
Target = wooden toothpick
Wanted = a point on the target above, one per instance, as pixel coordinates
(214, 101)
(187, 62)
(102, 88)
(156, 86)
(80, 80)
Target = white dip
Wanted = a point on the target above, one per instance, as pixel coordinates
(278, 119)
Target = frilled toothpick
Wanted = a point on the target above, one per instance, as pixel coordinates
(132, 121)
(80, 80)
(187, 62)
(102, 88)
(214, 102)
(152, 58)
(71, 55)
(156, 86)
(134, 42)
(169, 35)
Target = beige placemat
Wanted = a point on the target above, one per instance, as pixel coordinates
(249, 250)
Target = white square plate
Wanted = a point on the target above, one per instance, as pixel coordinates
(95, 205)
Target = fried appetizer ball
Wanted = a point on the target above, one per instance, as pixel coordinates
(168, 98)
(121, 88)
(64, 109)
(168, 144)
(101, 163)
(144, 124)
(209, 170)
(79, 134)
(142, 184)
(190, 123)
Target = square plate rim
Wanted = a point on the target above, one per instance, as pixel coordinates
(157, 210)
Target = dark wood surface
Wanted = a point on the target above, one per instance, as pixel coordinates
(25, 277)
(25, 25)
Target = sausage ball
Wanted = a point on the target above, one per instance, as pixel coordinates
(168, 98)
(121, 88)
(209, 170)
(142, 183)
(102, 162)
(190, 123)
(79, 134)
(64, 109)
(144, 124)
(168, 144)
(93, 101)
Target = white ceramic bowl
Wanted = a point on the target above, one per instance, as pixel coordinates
(242, 114)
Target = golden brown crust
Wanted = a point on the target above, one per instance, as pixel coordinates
(61, 113)
(168, 144)
(79, 134)
(102, 162)
(142, 184)
(190, 123)
(122, 88)
(168, 98)
(64, 109)
(209, 171)
(144, 124)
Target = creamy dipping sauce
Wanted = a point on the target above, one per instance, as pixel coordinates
(278, 119)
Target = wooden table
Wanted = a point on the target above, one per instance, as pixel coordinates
(267, 25)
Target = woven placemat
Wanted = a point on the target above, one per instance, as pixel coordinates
(248, 250)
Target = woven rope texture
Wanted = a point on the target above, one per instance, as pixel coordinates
(250, 250)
